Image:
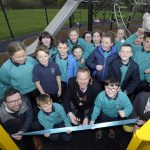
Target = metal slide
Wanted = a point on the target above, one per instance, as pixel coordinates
(58, 21)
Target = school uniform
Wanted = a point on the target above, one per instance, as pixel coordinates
(56, 118)
(100, 57)
(128, 75)
(142, 58)
(68, 66)
(47, 77)
(53, 51)
(130, 40)
(3, 88)
(80, 42)
(110, 106)
(18, 76)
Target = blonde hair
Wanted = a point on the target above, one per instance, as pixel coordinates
(43, 99)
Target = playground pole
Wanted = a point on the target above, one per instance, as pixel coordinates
(90, 15)
(45, 8)
(6, 18)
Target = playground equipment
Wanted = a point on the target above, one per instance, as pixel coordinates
(141, 139)
(58, 21)
(94, 6)
(6, 143)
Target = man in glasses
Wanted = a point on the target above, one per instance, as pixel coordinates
(111, 104)
(16, 115)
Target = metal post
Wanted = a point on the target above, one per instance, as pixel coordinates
(70, 22)
(129, 17)
(45, 8)
(90, 15)
(6, 18)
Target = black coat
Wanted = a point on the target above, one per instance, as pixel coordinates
(73, 95)
(132, 77)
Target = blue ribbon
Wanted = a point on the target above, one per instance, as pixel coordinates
(82, 127)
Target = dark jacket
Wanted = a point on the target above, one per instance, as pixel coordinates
(97, 58)
(139, 105)
(132, 77)
(20, 121)
(73, 95)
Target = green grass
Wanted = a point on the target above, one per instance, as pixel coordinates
(32, 20)
(24, 21)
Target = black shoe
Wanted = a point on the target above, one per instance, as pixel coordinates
(98, 134)
(112, 134)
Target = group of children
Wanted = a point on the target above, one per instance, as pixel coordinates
(45, 78)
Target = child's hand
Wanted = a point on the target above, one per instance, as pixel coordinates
(69, 131)
(140, 121)
(147, 71)
(135, 128)
(59, 93)
(99, 67)
(121, 113)
(91, 122)
(82, 61)
(17, 137)
(85, 121)
(47, 135)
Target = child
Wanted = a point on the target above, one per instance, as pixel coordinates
(16, 72)
(97, 36)
(75, 40)
(52, 115)
(87, 36)
(77, 52)
(46, 39)
(66, 63)
(120, 35)
(110, 104)
(125, 70)
(88, 39)
(101, 58)
(136, 39)
(142, 58)
(46, 74)
(120, 38)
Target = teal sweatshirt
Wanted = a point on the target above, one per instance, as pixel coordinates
(3, 88)
(110, 107)
(57, 116)
(142, 58)
(130, 40)
(80, 42)
(18, 76)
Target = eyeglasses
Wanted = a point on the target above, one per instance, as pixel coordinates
(111, 89)
(14, 101)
